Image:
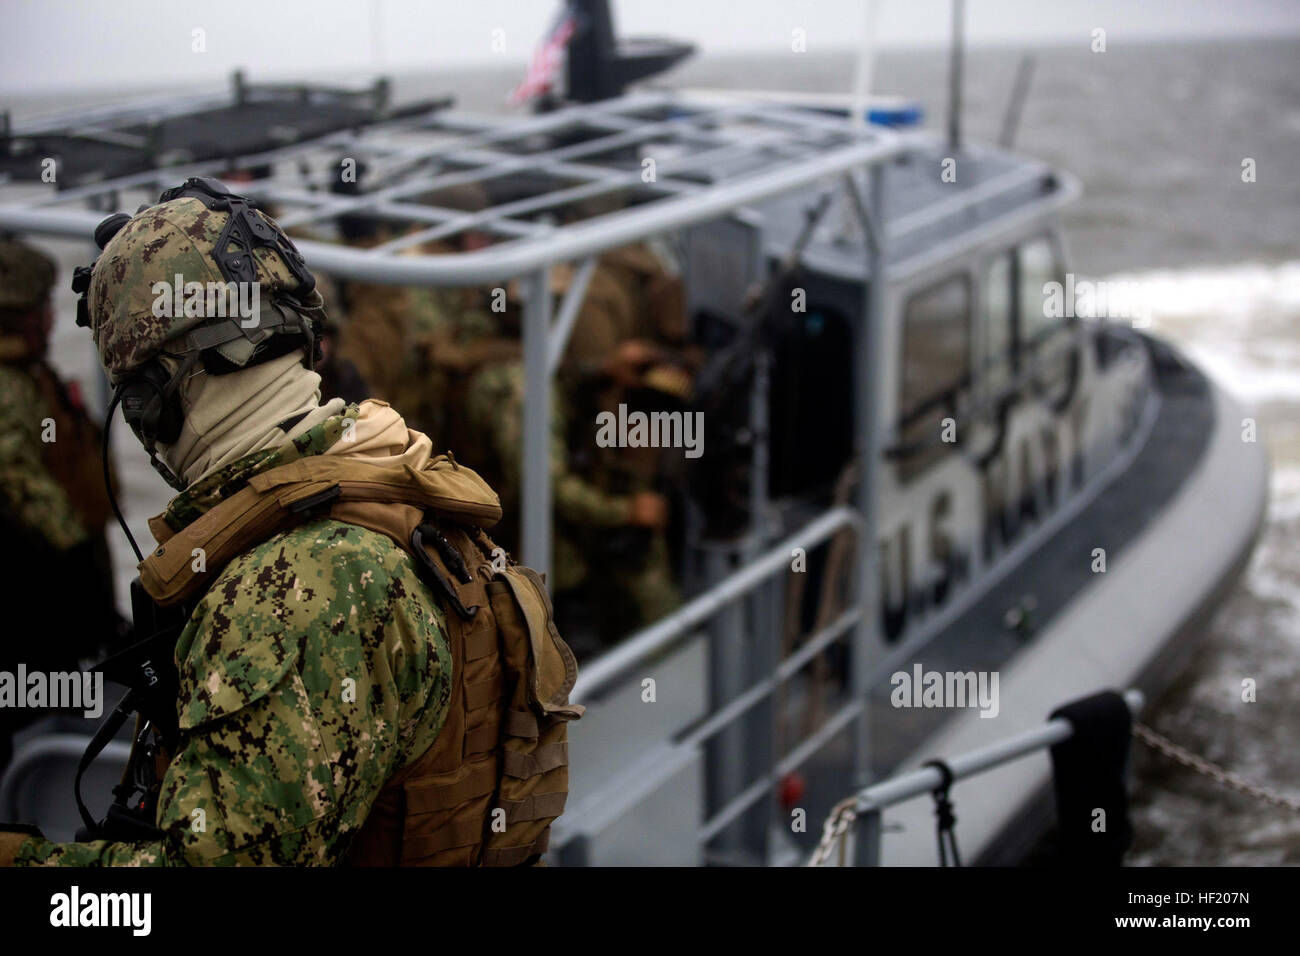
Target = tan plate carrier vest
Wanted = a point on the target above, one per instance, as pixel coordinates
(485, 793)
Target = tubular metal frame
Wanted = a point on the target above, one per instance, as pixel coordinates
(771, 150)
(871, 802)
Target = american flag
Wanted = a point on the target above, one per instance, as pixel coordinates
(546, 61)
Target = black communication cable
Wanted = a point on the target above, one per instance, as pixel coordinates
(108, 478)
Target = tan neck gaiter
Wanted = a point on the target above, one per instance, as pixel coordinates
(230, 416)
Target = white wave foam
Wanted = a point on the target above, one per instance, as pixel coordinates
(1240, 322)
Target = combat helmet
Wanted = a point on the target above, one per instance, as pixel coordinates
(166, 284)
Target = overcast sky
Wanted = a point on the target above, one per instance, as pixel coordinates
(78, 44)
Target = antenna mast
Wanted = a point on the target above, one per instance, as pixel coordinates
(955, 76)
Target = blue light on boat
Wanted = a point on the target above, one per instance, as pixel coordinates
(907, 115)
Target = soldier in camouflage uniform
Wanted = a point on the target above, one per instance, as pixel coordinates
(459, 351)
(631, 296)
(52, 504)
(455, 332)
(275, 763)
(584, 512)
(632, 582)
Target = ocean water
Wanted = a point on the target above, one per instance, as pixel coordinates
(1157, 134)
(1238, 322)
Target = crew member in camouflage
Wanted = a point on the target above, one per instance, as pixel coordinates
(317, 664)
(414, 345)
(29, 492)
(52, 503)
(582, 509)
(632, 582)
(631, 296)
(275, 762)
(453, 333)
(632, 317)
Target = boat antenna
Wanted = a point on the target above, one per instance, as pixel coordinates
(1016, 105)
(862, 77)
(865, 66)
(955, 76)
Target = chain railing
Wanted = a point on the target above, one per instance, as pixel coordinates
(1226, 778)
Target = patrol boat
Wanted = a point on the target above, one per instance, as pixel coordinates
(915, 464)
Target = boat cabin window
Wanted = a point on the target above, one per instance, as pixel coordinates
(935, 368)
(1044, 337)
(998, 358)
(1038, 267)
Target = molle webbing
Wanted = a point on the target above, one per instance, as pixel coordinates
(485, 793)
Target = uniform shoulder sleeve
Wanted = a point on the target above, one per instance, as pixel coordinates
(331, 600)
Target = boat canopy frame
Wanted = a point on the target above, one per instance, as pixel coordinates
(712, 160)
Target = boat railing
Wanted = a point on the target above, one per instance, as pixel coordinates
(859, 844)
(732, 728)
(661, 637)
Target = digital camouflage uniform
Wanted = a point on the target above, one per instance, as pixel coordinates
(30, 493)
(52, 502)
(447, 326)
(494, 408)
(630, 296)
(632, 581)
(283, 766)
(32, 496)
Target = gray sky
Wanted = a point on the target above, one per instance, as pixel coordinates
(78, 44)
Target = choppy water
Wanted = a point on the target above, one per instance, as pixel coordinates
(1157, 134)
(1240, 323)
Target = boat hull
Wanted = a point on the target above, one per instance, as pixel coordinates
(1189, 508)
